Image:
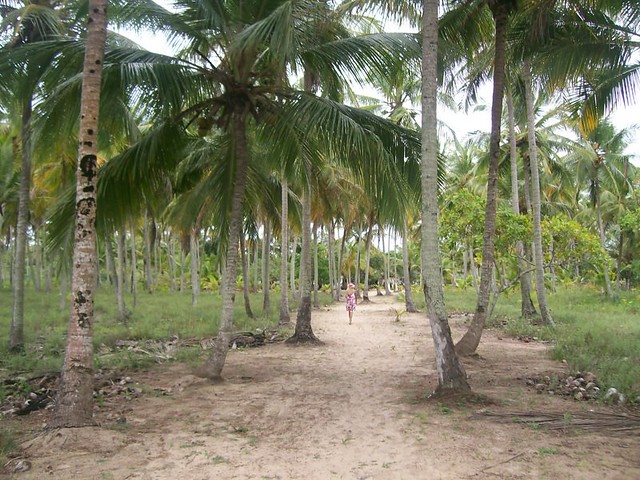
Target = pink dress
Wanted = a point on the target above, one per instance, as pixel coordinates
(351, 302)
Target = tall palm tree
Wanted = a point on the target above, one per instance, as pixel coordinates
(451, 375)
(74, 406)
(500, 11)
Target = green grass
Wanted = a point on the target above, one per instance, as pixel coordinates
(591, 333)
(157, 316)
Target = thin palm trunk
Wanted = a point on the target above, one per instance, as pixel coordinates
(74, 404)
(451, 375)
(545, 313)
(410, 305)
(245, 278)
(120, 272)
(285, 318)
(134, 262)
(148, 275)
(527, 309)
(195, 278)
(303, 332)
(212, 368)
(605, 268)
(16, 333)
(367, 261)
(316, 298)
(471, 339)
(266, 257)
(292, 271)
(332, 260)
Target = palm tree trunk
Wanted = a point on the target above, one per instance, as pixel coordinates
(410, 305)
(451, 375)
(245, 278)
(212, 368)
(195, 278)
(333, 281)
(545, 313)
(285, 319)
(120, 271)
(134, 264)
(367, 261)
(527, 309)
(148, 275)
(469, 342)
(16, 333)
(292, 271)
(266, 284)
(607, 279)
(74, 404)
(316, 298)
(303, 332)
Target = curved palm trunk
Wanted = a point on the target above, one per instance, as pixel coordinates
(285, 318)
(451, 375)
(410, 305)
(16, 333)
(303, 332)
(212, 368)
(367, 261)
(469, 342)
(74, 404)
(245, 278)
(527, 309)
(545, 313)
(607, 279)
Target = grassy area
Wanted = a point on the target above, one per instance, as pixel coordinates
(591, 333)
(157, 316)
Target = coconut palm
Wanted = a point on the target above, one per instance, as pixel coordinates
(74, 405)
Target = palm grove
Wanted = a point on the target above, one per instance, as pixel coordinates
(247, 162)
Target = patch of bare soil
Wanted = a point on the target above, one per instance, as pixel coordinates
(352, 408)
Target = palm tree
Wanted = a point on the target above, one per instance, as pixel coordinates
(74, 406)
(600, 164)
(500, 11)
(451, 375)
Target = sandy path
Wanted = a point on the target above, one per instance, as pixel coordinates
(350, 409)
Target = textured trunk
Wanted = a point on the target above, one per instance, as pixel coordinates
(316, 298)
(285, 318)
(333, 282)
(408, 294)
(545, 313)
(469, 342)
(195, 278)
(292, 271)
(120, 269)
(148, 275)
(134, 264)
(171, 263)
(74, 405)
(367, 261)
(303, 332)
(256, 265)
(245, 278)
(266, 256)
(16, 334)
(386, 264)
(607, 279)
(451, 375)
(527, 309)
(212, 368)
(183, 260)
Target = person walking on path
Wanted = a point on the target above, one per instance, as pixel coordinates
(351, 300)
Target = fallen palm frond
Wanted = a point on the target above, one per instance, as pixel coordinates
(613, 423)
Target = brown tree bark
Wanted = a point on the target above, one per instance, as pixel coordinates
(74, 405)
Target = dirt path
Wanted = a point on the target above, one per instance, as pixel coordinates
(353, 408)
